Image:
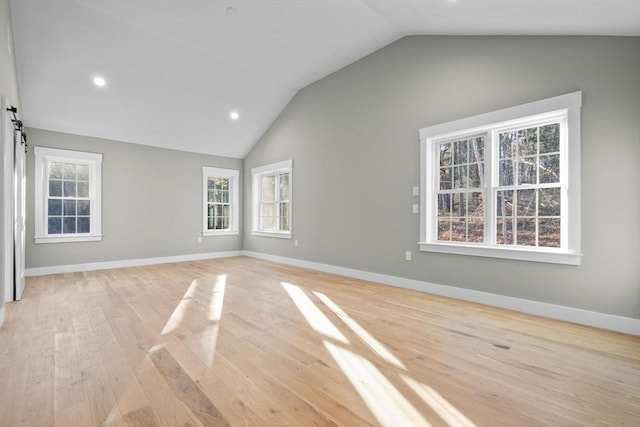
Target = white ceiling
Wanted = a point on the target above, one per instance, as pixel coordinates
(176, 68)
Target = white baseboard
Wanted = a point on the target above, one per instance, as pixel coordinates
(72, 268)
(569, 314)
(1, 315)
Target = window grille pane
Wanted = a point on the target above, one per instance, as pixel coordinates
(69, 208)
(476, 149)
(83, 172)
(268, 188)
(505, 173)
(474, 176)
(54, 224)
(284, 186)
(457, 204)
(550, 138)
(459, 230)
(284, 216)
(69, 225)
(475, 232)
(55, 170)
(83, 189)
(445, 154)
(527, 168)
(504, 203)
(444, 229)
(550, 169)
(506, 145)
(55, 188)
(55, 207)
(69, 189)
(461, 152)
(444, 205)
(445, 179)
(526, 235)
(475, 204)
(526, 200)
(504, 231)
(549, 232)
(84, 224)
(528, 142)
(549, 202)
(460, 177)
(69, 171)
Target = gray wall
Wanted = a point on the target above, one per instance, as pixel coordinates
(353, 138)
(9, 88)
(151, 203)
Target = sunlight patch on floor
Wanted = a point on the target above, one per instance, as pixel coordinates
(375, 345)
(178, 313)
(316, 318)
(385, 402)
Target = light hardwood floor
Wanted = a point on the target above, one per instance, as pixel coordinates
(245, 342)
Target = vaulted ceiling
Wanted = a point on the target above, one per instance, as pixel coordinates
(176, 69)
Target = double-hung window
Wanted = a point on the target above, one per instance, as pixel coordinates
(505, 184)
(68, 196)
(272, 185)
(220, 201)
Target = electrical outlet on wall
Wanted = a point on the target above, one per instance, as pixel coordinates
(416, 190)
(407, 256)
(415, 208)
(199, 239)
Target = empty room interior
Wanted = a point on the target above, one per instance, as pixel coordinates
(319, 213)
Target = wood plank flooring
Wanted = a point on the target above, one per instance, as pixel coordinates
(245, 342)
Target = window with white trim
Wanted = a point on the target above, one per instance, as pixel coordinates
(68, 186)
(220, 195)
(505, 184)
(272, 186)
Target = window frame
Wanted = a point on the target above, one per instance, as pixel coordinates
(257, 174)
(43, 158)
(234, 196)
(490, 124)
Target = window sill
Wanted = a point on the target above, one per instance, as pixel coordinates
(517, 253)
(68, 239)
(220, 233)
(277, 234)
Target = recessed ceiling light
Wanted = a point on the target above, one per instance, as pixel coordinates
(231, 10)
(99, 81)
(234, 115)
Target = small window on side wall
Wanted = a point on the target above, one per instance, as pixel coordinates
(272, 196)
(68, 186)
(220, 192)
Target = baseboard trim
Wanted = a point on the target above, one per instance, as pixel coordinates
(575, 315)
(72, 268)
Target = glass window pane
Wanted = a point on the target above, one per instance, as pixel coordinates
(83, 189)
(69, 189)
(550, 169)
(475, 205)
(55, 170)
(284, 216)
(268, 188)
(526, 235)
(210, 223)
(549, 232)
(445, 179)
(527, 170)
(266, 210)
(506, 172)
(54, 224)
(460, 179)
(211, 195)
(526, 202)
(549, 202)
(267, 223)
(84, 207)
(476, 149)
(55, 207)
(69, 208)
(69, 171)
(528, 142)
(460, 152)
(504, 231)
(505, 144)
(475, 227)
(504, 203)
(83, 172)
(211, 183)
(474, 175)
(445, 154)
(459, 230)
(550, 138)
(458, 204)
(444, 229)
(55, 188)
(284, 186)
(444, 205)
(69, 225)
(84, 224)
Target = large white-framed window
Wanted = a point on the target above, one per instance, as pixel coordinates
(272, 187)
(505, 184)
(220, 195)
(68, 196)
